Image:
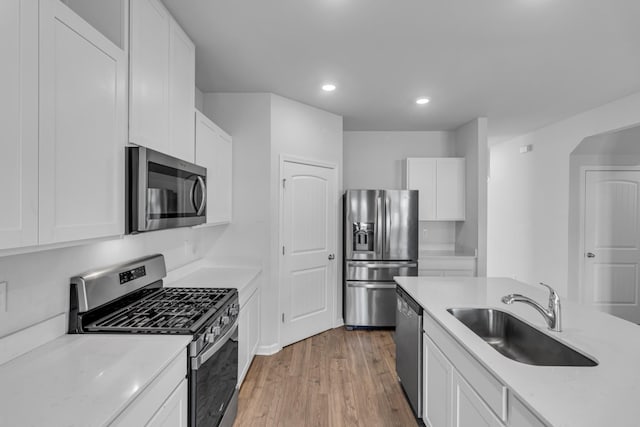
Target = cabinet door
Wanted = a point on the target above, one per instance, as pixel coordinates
(174, 411)
(254, 325)
(82, 129)
(149, 75)
(214, 151)
(437, 383)
(421, 176)
(248, 334)
(182, 83)
(469, 409)
(450, 189)
(18, 121)
(243, 342)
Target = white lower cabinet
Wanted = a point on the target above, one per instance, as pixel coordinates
(174, 411)
(469, 408)
(521, 416)
(437, 394)
(460, 392)
(161, 403)
(248, 332)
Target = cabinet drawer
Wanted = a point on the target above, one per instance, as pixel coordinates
(492, 391)
(521, 416)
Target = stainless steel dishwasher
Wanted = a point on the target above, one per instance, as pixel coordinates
(408, 339)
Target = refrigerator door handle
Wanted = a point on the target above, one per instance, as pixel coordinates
(366, 264)
(387, 216)
(371, 285)
(378, 227)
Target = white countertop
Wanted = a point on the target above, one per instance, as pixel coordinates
(82, 380)
(203, 274)
(605, 395)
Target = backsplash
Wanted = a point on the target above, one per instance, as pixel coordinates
(436, 235)
(38, 282)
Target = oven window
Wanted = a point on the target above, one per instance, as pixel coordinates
(172, 193)
(213, 384)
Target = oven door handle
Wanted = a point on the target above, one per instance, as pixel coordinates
(202, 358)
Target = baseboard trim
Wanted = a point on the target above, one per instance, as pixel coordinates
(268, 350)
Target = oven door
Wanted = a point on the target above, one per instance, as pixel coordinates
(213, 381)
(164, 191)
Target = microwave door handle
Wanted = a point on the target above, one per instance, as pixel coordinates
(203, 203)
(199, 208)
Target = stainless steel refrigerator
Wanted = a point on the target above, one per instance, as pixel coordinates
(380, 242)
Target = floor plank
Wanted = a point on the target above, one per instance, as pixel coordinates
(334, 379)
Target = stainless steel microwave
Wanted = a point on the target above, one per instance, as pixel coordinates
(163, 191)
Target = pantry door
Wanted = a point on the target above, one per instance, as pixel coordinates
(612, 242)
(308, 235)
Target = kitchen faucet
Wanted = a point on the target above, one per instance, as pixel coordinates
(551, 315)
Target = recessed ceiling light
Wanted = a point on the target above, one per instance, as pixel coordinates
(329, 87)
(422, 100)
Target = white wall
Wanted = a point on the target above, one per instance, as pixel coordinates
(528, 222)
(264, 127)
(309, 133)
(376, 159)
(247, 118)
(38, 282)
(199, 100)
(621, 148)
(471, 234)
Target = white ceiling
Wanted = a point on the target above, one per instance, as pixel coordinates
(521, 63)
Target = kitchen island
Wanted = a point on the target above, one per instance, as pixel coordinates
(514, 393)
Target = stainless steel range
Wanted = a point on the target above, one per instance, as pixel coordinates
(130, 298)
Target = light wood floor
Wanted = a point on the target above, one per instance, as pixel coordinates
(337, 378)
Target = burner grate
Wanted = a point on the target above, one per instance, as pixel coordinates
(176, 310)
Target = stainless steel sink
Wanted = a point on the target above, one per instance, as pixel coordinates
(517, 340)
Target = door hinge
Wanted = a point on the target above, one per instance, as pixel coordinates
(282, 317)
(284, 182)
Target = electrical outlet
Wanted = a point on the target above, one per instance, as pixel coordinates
(3, 297)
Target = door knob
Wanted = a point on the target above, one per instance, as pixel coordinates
(331, 256)
(591, 255)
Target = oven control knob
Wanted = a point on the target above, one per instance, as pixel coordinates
(225, 320)
(233, 310)
(215, 331)
(210, 338)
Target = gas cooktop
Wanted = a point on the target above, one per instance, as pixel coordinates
(164, 310)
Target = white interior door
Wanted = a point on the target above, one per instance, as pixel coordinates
(612, 242)
(309, 198)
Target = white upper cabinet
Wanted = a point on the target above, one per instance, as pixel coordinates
(162, 81)
(149, 75)
(214, 151)
(82, 107)
(182, 72)
(18, 122)
(441, 183)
